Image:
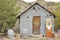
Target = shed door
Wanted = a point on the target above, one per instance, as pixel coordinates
(36, 25)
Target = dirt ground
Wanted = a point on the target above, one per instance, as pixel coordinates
(28, 38)
(38, 37)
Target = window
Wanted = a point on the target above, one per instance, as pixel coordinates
(27, 16)
(34, 8)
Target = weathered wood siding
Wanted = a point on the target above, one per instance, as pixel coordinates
(27, 22)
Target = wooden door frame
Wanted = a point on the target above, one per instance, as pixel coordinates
(33, 24)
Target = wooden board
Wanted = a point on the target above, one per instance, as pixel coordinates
(36, 25)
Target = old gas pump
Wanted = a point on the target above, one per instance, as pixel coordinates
(48, 27)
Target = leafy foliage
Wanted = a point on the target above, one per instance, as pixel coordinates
(8, 12)
(57, 13)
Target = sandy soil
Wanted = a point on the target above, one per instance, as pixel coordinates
(17, 37)
(29, 38)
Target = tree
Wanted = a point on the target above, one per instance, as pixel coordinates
(8, 11)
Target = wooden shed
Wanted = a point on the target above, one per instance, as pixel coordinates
(37, 20)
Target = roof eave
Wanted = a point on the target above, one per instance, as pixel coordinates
(39, 5)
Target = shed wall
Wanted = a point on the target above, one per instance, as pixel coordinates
(26, 19)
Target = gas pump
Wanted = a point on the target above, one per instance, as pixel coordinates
(48, 27)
